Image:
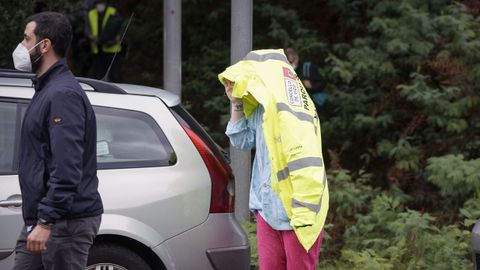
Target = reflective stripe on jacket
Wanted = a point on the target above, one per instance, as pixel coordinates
(93, 20)
(292, 134)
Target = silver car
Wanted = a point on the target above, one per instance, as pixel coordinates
(167, 188)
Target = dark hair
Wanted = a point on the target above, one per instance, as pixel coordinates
(290, 50)
(54, 26)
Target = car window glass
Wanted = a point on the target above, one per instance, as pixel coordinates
(127, 139)
(184, 118)
(8, 122)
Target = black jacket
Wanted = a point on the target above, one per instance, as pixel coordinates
(58, 166)
(308, 71)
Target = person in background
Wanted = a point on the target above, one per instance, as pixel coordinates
(103, 28)
(61, 205)
(308, 74)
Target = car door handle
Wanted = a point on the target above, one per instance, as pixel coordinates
(12, 201)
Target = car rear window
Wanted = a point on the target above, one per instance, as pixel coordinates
(130, 139)
(185, 118)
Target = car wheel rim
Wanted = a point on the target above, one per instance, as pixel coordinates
(105, 266)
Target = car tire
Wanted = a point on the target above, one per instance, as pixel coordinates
(109, 256)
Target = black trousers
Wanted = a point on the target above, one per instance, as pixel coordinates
(67, 247)
(100, 64)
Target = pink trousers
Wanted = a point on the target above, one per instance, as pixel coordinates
(279, 250)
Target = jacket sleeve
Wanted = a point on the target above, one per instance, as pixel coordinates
(307, 196)
(66, 128)
(241, 135)
(305, 170)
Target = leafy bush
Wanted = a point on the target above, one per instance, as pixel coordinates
(393, 237)
(348, 196)
(402, 117)
(457, 178)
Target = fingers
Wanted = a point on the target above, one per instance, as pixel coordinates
(29, 245)
(35, 246)
(228, 85)
(37, 240)
(228, 89)
(307, 84)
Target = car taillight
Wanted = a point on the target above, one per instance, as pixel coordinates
(222, 197)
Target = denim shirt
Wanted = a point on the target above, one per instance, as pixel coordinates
(246, 134)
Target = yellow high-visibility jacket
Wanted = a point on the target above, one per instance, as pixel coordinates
(292, 135)
(93, 21)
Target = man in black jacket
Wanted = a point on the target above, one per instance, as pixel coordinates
(61, 204)
(308, 74)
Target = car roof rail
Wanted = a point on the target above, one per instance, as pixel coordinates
(97, 85)
(12, 73)
(102, 86)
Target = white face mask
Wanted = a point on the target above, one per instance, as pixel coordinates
(101, 7)
(21, 57)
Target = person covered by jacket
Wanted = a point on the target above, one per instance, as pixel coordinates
(103, 28)
(308, 74)
(271, 112)
(61, 204)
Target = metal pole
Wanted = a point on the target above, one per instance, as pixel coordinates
(241, 44)
(172, 48)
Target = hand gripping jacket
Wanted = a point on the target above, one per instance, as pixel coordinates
(292, 134)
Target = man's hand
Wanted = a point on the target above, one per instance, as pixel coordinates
(307, 84)
(37, 239)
